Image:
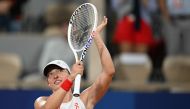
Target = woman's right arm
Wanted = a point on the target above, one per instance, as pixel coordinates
(53, 101)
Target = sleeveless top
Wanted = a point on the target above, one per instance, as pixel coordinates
(75, 103)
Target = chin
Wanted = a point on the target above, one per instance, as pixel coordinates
(56, 87)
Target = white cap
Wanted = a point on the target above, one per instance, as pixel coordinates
(53, 64)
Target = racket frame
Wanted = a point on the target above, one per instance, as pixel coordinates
(84, 48)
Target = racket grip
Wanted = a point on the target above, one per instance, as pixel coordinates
(77, 85)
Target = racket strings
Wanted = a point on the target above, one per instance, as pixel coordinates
(82, 26)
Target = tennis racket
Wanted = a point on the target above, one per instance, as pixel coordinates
(82, 23)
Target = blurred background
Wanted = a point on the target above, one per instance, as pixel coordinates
(149, 41)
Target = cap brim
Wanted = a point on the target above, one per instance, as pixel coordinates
(49, 67)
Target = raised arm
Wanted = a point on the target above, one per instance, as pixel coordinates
(52, 102)
(101, 85)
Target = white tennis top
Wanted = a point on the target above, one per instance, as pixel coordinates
(75, 103)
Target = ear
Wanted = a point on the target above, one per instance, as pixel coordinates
(49, 85)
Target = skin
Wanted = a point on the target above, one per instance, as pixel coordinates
(93, 93)
(5, 6)
(128, 48)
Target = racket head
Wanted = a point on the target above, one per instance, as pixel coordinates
(82, 22)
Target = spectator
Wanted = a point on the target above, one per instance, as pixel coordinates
(176, 20)
(56, 47)
(133, 33)
(134, 37)
(16, 13)
(11, 15)
(157, 51)
(121, 7)
(5, 20)
(34, 13)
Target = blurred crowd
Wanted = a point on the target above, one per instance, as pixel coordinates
(27, 15)
(149, 35)
(157, 28)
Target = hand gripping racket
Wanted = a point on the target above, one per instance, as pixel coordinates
(82, 22)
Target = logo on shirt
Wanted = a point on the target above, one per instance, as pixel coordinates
(76, 106)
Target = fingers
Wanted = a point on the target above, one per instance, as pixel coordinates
(104, 21)
(77, 68)
(93, 33)
(79, 63)
(80, 67)
(100, 27)
(103, 24)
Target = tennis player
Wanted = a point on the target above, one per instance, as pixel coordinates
(60, 79)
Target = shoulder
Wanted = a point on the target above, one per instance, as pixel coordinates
(40, 101)
(42, 98)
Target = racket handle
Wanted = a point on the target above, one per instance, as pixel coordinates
(77, 85)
